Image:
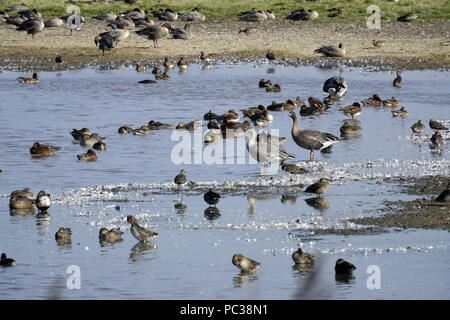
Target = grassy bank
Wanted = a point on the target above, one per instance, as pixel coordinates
(354, 10)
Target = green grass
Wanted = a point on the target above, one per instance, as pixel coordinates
(354, 10)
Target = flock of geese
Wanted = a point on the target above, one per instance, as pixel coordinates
(263, 147)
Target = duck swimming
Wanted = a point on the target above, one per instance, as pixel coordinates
(43, 150)
(90, 155)
(301, 257)
(245, 264)
(43, 201)
(33, 79)
(7, 262)
(110, 236)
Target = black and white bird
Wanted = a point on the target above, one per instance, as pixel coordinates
(43, 201)
(335, 87)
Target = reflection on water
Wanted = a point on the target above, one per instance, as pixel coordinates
(263, 213)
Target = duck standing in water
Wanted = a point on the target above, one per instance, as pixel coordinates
(110, 236)
(418, 127)
(140, 233)
(320, 187)
(245, 264)
(43, 201)
(397, 83)
(301, 257)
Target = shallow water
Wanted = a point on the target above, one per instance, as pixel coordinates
(193, 255)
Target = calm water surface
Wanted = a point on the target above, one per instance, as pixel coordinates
(266, 216)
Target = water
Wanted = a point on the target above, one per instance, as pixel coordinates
(192, 259)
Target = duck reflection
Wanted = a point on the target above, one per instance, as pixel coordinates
(243, 278)
(140, 248)
(286, 197)
(43, 219)
(344, 278)
(180, 207)
(320, 204)
(271, 70)
(212, 213)
(252, 200)
(21, 212)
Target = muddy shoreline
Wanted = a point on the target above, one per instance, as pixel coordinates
(421, 45)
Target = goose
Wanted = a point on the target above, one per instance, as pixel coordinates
(343, 267)
(117, 35)
(436, 138)
(110, 236)
(301, 257)
(194, 15)
(33, 79)
(332, 51)
(43, 150)
(90, 155)
(265, 149)
(444, 196)
(245, 264)
(335, 87)
(353, 110)
(270, 15)
(134, 14)
(30, 14)
(122, 23)
(110, 16)
(167, 15)
(146, 22)
(43, 201)
(400, 113)
(311, 139)
(319, 187)
(418, 127)
(140, 233)
(54, 23)
(15, 20)
(302, 14)
(105, 43)
(32, 26)
(436, 125)
(398, 80)
(16, 8)
(185, 34)
(211, 197)
(255, 16)
(155, 33)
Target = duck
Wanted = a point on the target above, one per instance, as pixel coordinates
(301, 257)
(332, 51)
(308, 111)
(213, 135)
(26, 192)
(377, 43)
(122, 23)
(335, 86)
(194, 15)
(266, 149)
(168, 64)
(7, 262)
(374, 101)
(436, 125)
(343, 267)
(58, 59)
(145, 22)
(336, 13)
(317, 104)
(31, 26)
(163, 76)
(43, 201)
(249, 112)
(347, 129)
(292, 168)
(142, 131)
(155, 33)
(125, 129)
(99, 145)
(436, 138)
(319, 187)
(255, 16)
(410, 16)
(211, 197)
(147, 81)
(29, 14)
(270, 55)
(110, 236)
(352, 110)
(275, 106)
(140, 68)
(88, 140)
(180, 178)
(270, 15)
(156, 125)
(418, 127)
(397, 83)
(182, 64)
(400, 113)
(261, 119)
(264, 83)
(276, 88)
(292, 105)
(311, 139)
(190, 126)
(22, 199)
(245, 264)
(302, 14)
(140, 233)
(184, 34)
(63, 234)
(213, 125)
(390, 102)
(234, 129)
(157, 70)
(33, 79)
(444, 196)
(231, 116)
(43, 150)
(90, 155)
(205, 58)
(210, 115)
